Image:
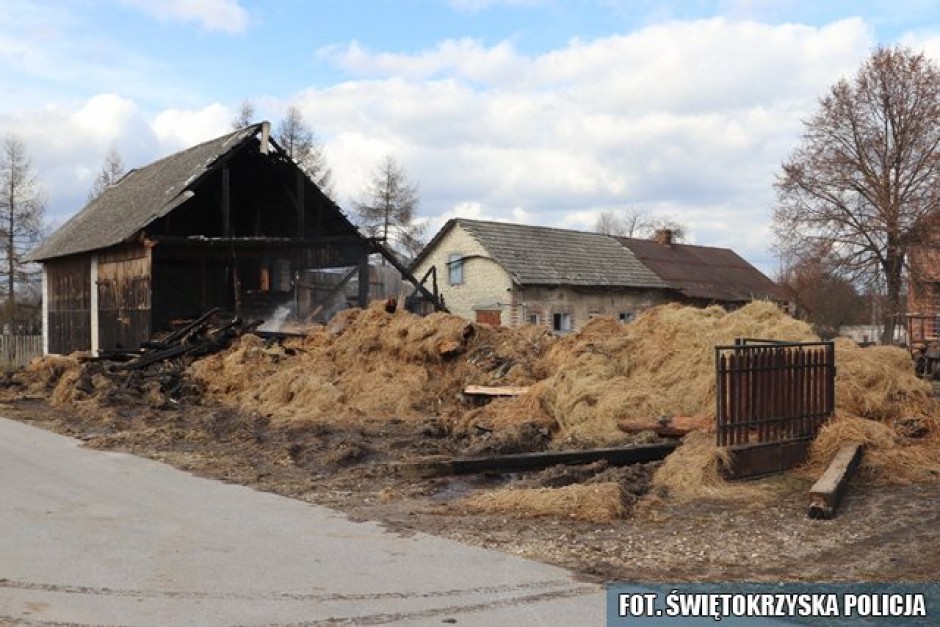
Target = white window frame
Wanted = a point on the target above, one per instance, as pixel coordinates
(455, 269)
(562, 322)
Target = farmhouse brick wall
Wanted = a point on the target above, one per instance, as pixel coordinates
(485, 284)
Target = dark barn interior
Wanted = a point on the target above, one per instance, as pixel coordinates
(232, 223)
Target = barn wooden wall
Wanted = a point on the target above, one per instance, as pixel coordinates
(69, 296)
(124, 297)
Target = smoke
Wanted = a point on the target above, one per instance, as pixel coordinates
(277, 319)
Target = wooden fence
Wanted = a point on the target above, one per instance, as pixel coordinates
(17, 350)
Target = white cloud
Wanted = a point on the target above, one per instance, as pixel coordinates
(66, 148)
(684, 120)
(180, 128)
(223, 15)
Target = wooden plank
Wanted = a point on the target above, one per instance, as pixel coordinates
(826, 494)
(492, 390)
(671, 427)
(620, 456)
(754, 460)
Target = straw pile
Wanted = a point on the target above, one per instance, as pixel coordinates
(889, 457)
(662, 364)
(43, 377)
(589, 502)
(370, 363)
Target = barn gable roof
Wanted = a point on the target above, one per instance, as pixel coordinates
(139, 198)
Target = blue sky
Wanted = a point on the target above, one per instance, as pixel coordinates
(538, 111)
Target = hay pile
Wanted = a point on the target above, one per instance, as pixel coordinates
(371, 363)
(52, 377)
(890, 457)
(662, 364)
(374, 364)
(589, 502)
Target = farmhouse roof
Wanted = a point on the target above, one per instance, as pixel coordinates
(706, 272)
(139, 198)
(538, 255)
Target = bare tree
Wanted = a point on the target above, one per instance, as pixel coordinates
(111, 171)
(21, 213)
(388, 207)
(245, 116)
(826, 300)
(632, 223)
(304, 147)
(866, 178)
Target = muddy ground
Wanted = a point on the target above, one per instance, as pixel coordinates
(881, 533)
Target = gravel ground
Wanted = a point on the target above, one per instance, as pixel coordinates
(880, 534)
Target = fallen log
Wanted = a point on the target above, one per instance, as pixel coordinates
(826, 494)
(620, 456)
(667, 427)
(488, 390)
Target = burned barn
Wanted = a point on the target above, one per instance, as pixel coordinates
(232, 223)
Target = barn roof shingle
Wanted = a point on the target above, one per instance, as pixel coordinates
(139, 198)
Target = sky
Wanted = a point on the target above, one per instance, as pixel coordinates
(543, 112)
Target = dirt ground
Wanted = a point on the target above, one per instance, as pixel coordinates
(889, 533)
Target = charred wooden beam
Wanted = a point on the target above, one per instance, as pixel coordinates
(300, 203)
(826, 494)
(226, 202)
(754, 460)
(363, 286)
(183, 331)
(407, 275)
(620, 456)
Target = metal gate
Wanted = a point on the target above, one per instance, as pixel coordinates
(773, 392)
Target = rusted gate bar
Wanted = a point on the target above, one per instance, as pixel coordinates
(772, 392)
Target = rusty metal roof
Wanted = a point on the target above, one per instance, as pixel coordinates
(704, 272)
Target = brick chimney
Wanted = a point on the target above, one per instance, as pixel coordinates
(664, 237)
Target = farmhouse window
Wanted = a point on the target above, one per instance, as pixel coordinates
(561, 322)
(455, 268)
(534, 318)
(626, 316)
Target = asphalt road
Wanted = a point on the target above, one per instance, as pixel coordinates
(98, 538)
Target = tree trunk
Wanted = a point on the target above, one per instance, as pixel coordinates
(11, 296)
(893, 266)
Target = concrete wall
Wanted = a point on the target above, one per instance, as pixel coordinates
(580, 305)
(486, 287)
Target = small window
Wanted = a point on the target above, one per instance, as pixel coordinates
(455, 268)
(561, 322)
(534, 318)
(625, 316)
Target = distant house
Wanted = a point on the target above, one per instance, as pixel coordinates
(232, 223)
(923, 289)
(513, 274)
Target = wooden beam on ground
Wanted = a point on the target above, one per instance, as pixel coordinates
(826, 494)
(672, 427)
(620, 456)
(490, 390)
(754, 460)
